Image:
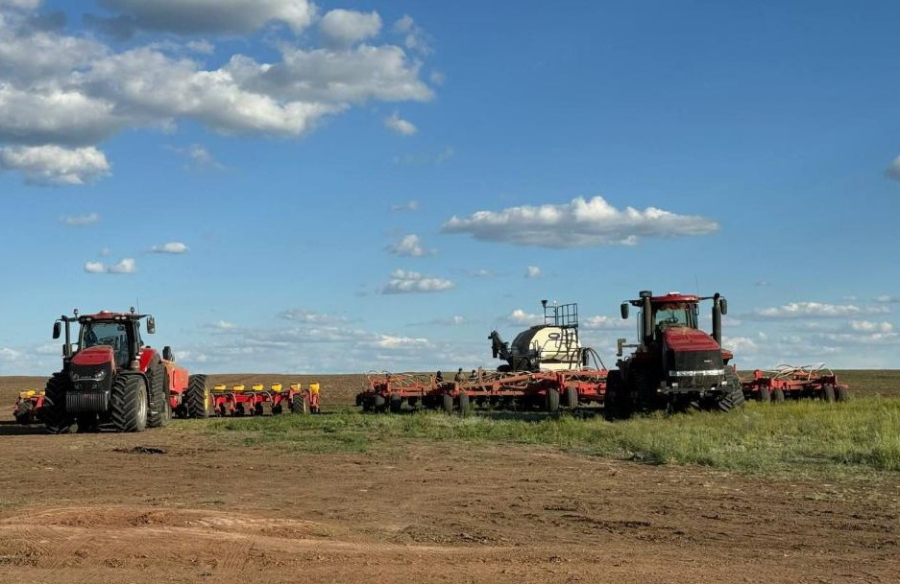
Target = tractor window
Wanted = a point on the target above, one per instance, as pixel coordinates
(673, 315)
(113, 334)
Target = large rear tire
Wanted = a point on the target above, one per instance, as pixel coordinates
(128, 403)
(56, 419)
(734, 396)
(160, 411)
(197, 397)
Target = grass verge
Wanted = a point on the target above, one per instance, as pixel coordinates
(800, 438)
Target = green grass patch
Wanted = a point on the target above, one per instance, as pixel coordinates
(795, 438)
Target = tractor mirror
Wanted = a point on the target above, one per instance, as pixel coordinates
(624, 310)
(723, 305)
(57, 328)
(168, 355)
(151, 325)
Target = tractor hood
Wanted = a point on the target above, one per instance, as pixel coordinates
(94, 356)
(685, 339)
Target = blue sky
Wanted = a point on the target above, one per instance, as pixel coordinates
(376, 185)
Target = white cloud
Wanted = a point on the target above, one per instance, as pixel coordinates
(309, 317)
(817, 310)
(533, 272)
(893, 171)
(414, 38)
(400, 126)
(579, 223)
(81, 220)
(887, 299)
(865, 326)
(54, 165)
(409, 245)
(520, 317)
(200, 157)
(437, 78)
(20, 4)
(392, 342)
(210, 16)
(126, 266)
(174, 247)
(601, 322)
(403, 282)
(343, 28)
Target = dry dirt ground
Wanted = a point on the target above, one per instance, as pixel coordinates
(175, 505)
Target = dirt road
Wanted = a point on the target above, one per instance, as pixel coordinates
(175, 505)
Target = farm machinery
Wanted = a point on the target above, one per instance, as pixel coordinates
(795, 382)
(29, 406)
(675, 365)
(546, 366)
(239, 400)
(111, 380)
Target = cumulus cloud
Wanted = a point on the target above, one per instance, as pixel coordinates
(533, 272)
(126, 266)
(520, 317)
(400, 126)
(199, 157)
(579, 223)
(408, 206)
(414, 38)
(886, 298)
(409, 245)
(817, 310)
(893, 171)
(54, 165)
(207, 16)
(403, 282)
(81, 220)
(601, 322)
(343, 28)
(310, 317)
(62, 94)
(174, 247)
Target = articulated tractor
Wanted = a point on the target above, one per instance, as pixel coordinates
(111, 380)
(675, 365)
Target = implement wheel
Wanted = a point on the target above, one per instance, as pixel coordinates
(196, 397)
(552, 401)
(447, 403)
(160, 411)
(828, 392)
(463, 404)
(778, 395)
(299, 404)
(128, 403)
(571, 397)
(765, 395)
(842, 393)
(396, 403)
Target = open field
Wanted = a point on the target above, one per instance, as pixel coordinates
(791, 493)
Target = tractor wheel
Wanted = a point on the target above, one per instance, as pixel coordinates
(464, 404)
(842, 393)
(160, 410)
(778, 395)
(552, 401)
(128, 403)
(447, 403)
(299, 404)
(765, 395)
(828, 392)
(616, 404)
(396, 403)
(732, 400)
(25, 413)
(196, 397)
(56, 419)
(571, 397)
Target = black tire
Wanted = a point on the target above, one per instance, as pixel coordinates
(160, 411)
(734, 394)
(396, 403)
(379, 403)
(299, 404)
(258, 410)
(277, 409)
(778, 395)
(56, 419)
(447, 403)
(571, 397)
(765, 395)
(828, 392)
(616, 404)
(842, 393)
(552, 400)
(464, 404)
(25, 413)
(196, 397)
(129, 403)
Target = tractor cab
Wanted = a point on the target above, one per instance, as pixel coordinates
(104, 336)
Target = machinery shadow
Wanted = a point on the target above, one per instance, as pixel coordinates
(12, 428)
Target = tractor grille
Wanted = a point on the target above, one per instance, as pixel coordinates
(87, 401)
(695, 369)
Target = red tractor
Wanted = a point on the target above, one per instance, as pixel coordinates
(111, 380)
(675, 366)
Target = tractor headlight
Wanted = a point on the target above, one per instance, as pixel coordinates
(99, 376)
(73, 376)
